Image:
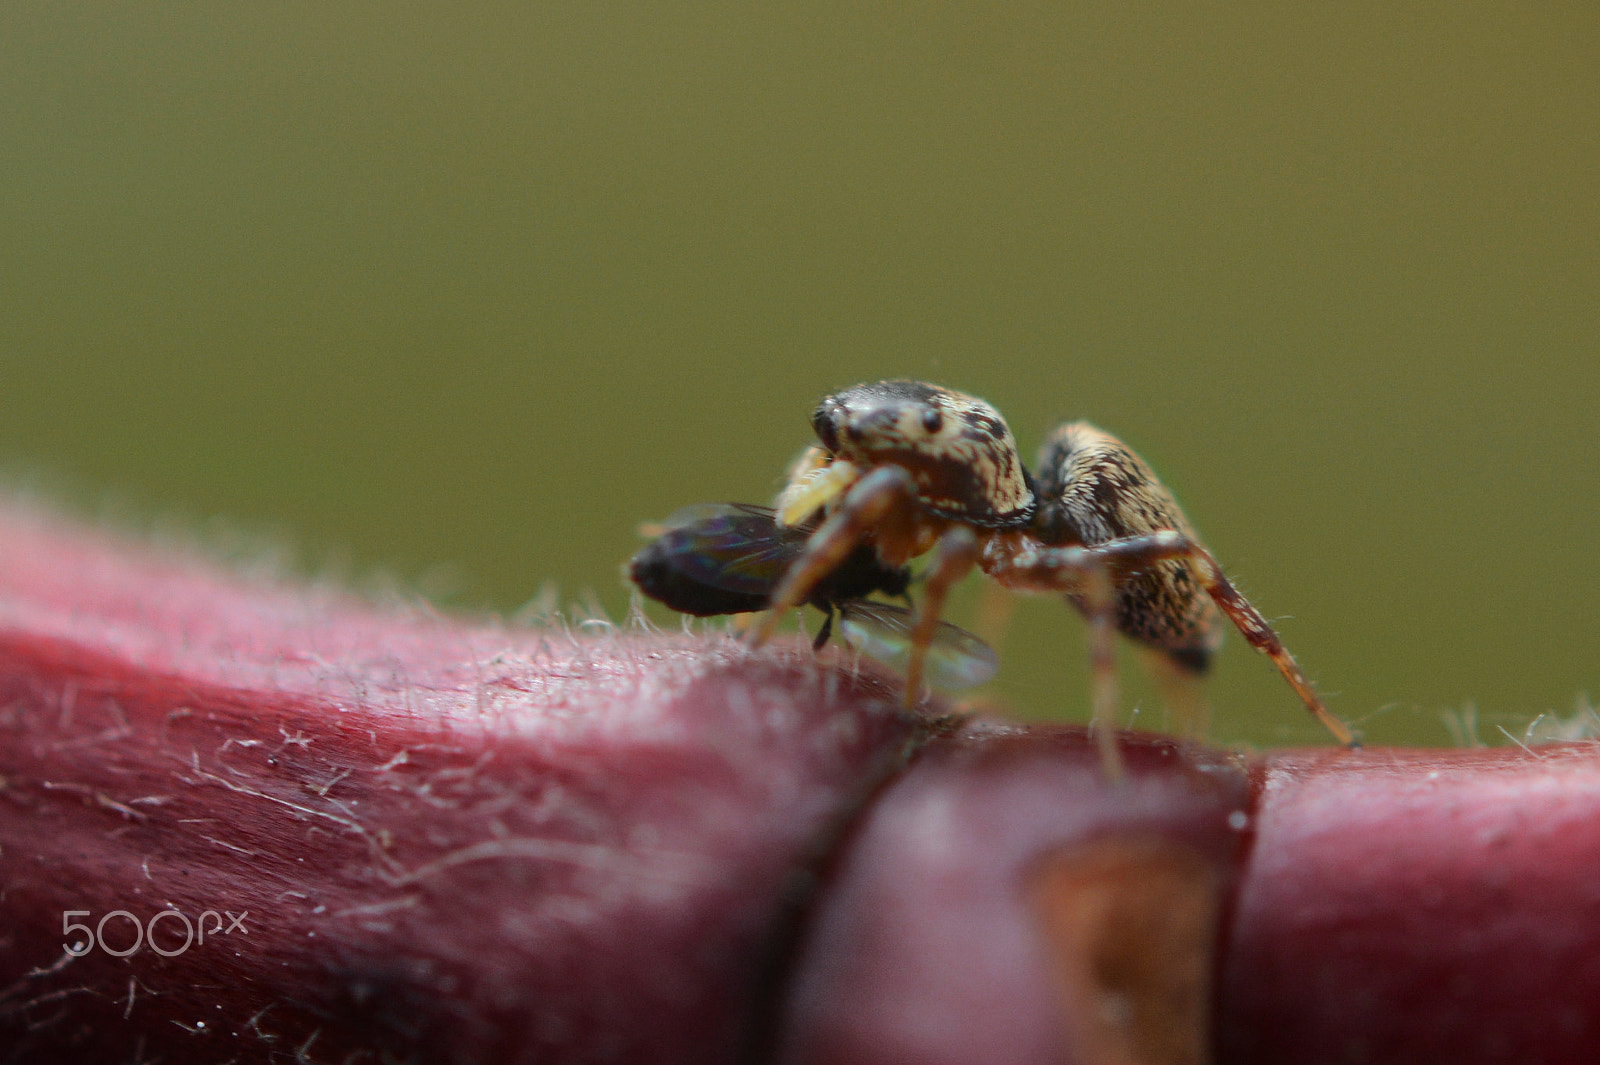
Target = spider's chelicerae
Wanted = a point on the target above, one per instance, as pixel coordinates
(911, 468)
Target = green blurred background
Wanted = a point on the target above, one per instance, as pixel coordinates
(474, 289)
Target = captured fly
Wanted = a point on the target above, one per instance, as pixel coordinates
(726, 558)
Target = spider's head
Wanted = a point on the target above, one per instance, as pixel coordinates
(957, 447)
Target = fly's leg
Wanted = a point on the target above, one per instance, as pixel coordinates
(826, 631)
(862, 508)
(953, 558)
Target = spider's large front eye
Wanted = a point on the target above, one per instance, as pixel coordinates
(932, 420)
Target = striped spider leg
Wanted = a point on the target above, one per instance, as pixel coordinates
(1101, 497)
(1093, 577)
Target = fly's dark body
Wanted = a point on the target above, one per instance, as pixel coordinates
(727, 558)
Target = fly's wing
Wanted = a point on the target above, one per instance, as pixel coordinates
(705, 513)
(956, 658)
(733, 547)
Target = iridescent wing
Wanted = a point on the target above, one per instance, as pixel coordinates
(732, 547)
(956, 658)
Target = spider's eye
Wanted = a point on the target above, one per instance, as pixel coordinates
(932, 420)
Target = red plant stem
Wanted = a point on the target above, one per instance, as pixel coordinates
(1405, 906)
(454, 842)
(458, 842)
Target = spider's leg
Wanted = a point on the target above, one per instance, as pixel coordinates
(859, 511)
(1133, 553)
(1100, 595)
(1090, 575)
(1255, 628)
(953, 558)
(1182, 691)
(996, 606)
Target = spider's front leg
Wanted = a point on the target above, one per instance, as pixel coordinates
(861, 510)
(953, 558)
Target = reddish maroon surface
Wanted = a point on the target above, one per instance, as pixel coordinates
(927, 949)
(1410, 906)
(454, 842)
(459, 842)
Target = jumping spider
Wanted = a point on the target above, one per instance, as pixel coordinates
(910, 468)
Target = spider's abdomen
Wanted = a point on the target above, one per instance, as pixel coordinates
(1093, 488)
